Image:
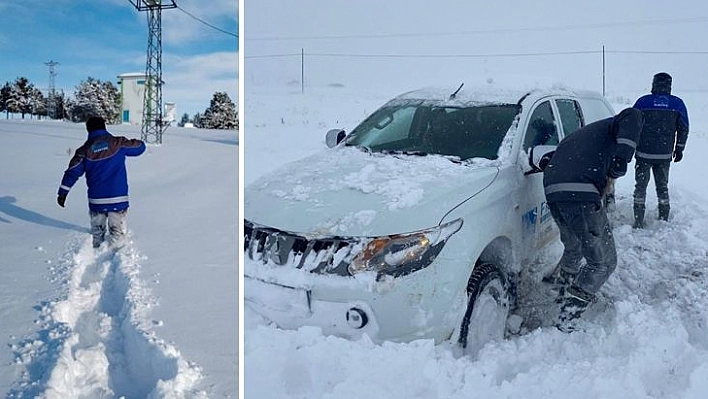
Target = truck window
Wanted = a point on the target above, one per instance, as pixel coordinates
(570, 116)
(595, 109)
(541, 129)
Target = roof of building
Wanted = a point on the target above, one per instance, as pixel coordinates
(132, 75)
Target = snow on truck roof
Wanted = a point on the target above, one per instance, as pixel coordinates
(491, 94)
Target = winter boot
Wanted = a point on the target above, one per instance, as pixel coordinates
(574, 304)
(559, 277)
(561, 282)
(664, 212)
(639, 216)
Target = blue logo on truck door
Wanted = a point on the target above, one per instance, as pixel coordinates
(528, 222)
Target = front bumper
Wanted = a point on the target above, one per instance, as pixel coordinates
(291, 307)
(400, 309)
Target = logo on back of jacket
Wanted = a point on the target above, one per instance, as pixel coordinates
(100, 146)
(662, 102)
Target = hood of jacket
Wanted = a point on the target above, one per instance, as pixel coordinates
(628, 123)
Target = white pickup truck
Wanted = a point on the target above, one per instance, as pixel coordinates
(418, 222)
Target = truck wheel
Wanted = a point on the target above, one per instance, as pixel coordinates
(488, 303)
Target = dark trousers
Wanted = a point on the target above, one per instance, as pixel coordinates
(642, 172)
(585, 233)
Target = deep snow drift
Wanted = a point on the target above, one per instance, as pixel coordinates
(645, 337)
(156, 319)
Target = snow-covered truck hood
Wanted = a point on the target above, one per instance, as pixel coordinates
(348, 192)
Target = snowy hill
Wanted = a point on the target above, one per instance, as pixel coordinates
(157, 319)
(645, 337)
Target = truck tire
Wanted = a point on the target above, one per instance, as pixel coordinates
(488, 304)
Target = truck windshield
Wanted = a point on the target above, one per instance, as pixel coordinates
(420, 128)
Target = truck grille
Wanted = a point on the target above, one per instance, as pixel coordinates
(330, 255)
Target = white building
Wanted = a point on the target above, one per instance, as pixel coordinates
(170, 114)
(132, 93)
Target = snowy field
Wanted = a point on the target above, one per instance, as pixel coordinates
(644, 338)
(159, 318)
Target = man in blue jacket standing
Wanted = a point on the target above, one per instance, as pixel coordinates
(102, 159)
(663, 137)
(574, 181)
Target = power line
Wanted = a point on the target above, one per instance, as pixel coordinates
(199, 19)
(656, 52)
(207, 23)
(274, 55)
(554, 53)
(483, 31)
(451, 55)
(425, 55)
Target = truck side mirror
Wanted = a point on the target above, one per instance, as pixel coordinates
(334, 137)
(540, 157)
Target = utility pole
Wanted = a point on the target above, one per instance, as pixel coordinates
(603, 69)
(153, 128)
(52, 105)
(302, 69)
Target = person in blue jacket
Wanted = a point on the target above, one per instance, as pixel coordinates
(102, 159)
(574, 180)
(663, 137)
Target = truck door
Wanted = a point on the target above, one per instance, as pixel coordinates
(538, 228)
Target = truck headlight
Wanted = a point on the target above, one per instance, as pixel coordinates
(403, 253)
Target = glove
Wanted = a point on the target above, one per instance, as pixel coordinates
(545, 160)
(678, 155)
(618, 168)
(61, 199)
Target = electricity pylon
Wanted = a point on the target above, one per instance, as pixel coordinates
(152, 103)
(52, 105)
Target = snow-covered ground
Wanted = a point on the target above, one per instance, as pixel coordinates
(644, 338)
(157, 319)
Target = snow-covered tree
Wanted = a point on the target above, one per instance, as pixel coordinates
(221, 113)
(24, 98)
(95, 98)
(38, 103)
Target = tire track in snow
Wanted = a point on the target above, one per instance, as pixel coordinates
(97, 340)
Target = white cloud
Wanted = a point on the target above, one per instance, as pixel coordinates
(190, 82)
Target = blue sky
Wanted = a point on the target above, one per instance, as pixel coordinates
(103, 39)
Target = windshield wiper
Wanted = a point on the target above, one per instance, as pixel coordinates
(404, 152)
(362, 148)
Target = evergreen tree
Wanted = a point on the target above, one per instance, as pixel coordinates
(221, 113)
(4, 99)
(38, 103)
(95, 98)
(60, 104)
(197, 120)
(184, 120)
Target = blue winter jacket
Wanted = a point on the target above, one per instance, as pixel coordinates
(102, 159)
(583, 161)
(665, 126)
